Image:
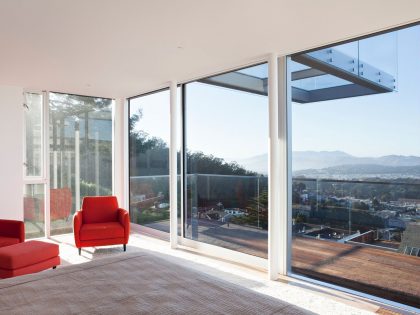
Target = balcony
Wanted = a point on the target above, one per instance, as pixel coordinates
(355, 234)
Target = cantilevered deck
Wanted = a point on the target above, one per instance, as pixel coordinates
(378, 272)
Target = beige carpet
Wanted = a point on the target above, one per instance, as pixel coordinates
(132, 283)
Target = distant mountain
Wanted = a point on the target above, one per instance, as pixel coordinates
(362, 171)
(258, 163)
(317, 160)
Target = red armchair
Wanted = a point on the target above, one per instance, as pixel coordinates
(11, 232)
(101, 222)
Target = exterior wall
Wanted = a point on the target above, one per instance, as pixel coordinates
(11, 157)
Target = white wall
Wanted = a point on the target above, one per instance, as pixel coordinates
(119, 147)
(11, 152)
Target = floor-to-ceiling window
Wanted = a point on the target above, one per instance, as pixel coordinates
(34, 172)
(226, 144)
(149, 160)
(80, 154)
(356, 165)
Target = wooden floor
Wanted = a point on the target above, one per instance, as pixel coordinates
(378, 272)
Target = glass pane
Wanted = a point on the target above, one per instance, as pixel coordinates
(80, 154)
(356, 180)
(226, 133)
(260, 71)
(379, 64)
(149, 160)
(319, 82)
(33, 209)
(33, 134)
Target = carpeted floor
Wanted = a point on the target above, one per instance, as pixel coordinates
(133, 283)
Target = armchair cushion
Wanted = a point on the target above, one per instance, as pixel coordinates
(7, 241)
(100, 209)
(98, 231)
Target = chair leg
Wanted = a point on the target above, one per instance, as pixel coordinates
(54, 267)
(125, 247)
(80, 251)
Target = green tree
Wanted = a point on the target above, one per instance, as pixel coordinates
(197, 162)
(258, 210)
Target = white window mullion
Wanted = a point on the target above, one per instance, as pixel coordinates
(274, 183)
(126, 156)
(46, 162)
(173, 168)
(285, 184)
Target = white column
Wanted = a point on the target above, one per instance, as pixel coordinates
(273, 170)
(97, 162)
(77, 167)
(120, 156)
(125, 193)
(68, 169)
(55, 171)
(285, 177)
(173, 172)
(46, 161)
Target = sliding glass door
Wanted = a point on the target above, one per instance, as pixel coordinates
(66, 158)
(80, 154)
(226, 137)
(34, 166)
(149, 160)
(356, 165)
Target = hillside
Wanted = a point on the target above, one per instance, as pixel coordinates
(340, 163)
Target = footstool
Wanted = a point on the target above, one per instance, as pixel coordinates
(28, 257)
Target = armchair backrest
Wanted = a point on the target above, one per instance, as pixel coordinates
(12, 228)
(100, 209)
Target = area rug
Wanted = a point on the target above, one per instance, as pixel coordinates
(132, 283)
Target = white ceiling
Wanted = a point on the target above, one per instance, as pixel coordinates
(119, 48)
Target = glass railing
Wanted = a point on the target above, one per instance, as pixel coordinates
(228, 211)
(223, 210)
(378, 66)
(363, 235)
(33, 210)
(149, 201)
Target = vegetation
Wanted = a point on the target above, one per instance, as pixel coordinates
(145, 216)
(143, 146)
(89, 189)
(257, 211)
(69, 113)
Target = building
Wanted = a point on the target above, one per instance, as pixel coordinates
(195, 103)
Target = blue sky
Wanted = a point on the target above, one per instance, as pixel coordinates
(234, 125)
(374, 125)
(223, 122)
(226, 123)
(155, 109)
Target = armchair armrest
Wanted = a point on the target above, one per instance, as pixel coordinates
(13, 228)
(124, 219)
(77, 224)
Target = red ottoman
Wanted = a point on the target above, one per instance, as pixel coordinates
(28, 257)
